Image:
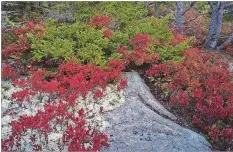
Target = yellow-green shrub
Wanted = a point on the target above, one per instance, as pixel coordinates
(77, 41)
(170, 52)
(123, 13)
(117, 40)
(157, 28)
(55, 49)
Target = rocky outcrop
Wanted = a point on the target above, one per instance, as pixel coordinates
(140, 89)
(138, 125)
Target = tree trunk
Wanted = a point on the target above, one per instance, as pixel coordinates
(146, 3)
(226, 43)
(156, 11)
(179, 14)
(50, 4)
(215, 25)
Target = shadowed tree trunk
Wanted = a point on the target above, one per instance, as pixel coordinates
(179, 14)
(215, 25)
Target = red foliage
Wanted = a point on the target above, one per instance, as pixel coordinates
(21, 44)
(10, 49)
(71, 80)
(181, 97)
(37, 147)
(15, 49)
(214, 133)
(178, 37)
(122, 50)
(117, 65)
(140, 41)
(18, 31)
(30, 26)
(36, 82)
(98, 94)
(195, 120)
(74, 137)
(21, 95)
(100, 21)
(203, 87)
(20, 82)
(9, 72)
(18, 48)
(140, 54)
(123, 84)
(82, 78)
(227, 134)
(196, 27)
(156, 70)
(108, 33)
(51, 86)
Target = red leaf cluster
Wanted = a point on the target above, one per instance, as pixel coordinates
(18, 31)
(140, 54)
(100, 21)
(140, 41)
(15, 49)
(108, 33)
(123, 84)
(98, 94)
(202, 85)
(21, 44)
(71, 80)
(9, 72)
(30, 26)
(74, 137)
(217, 134)
(178, 37)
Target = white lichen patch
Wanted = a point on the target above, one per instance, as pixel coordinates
(111, 100)
(93, 109)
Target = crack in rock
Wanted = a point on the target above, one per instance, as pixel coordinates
(138, 86)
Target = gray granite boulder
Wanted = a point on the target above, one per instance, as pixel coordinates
(138, 126)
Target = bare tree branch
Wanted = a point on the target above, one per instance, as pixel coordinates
(227, 4)
(227, 42)
(171, 11)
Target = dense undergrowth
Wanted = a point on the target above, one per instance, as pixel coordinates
(201, 86)
(68, 60)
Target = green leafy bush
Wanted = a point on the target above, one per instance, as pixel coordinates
(92, 54)
(55, 48)
(78, 42)
(118, 39)
(83, 43)
(170, 52)
(62, 30)
(90, 35)
(123, 13)
(157, 28)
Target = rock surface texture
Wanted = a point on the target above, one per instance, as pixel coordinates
(142, 124)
